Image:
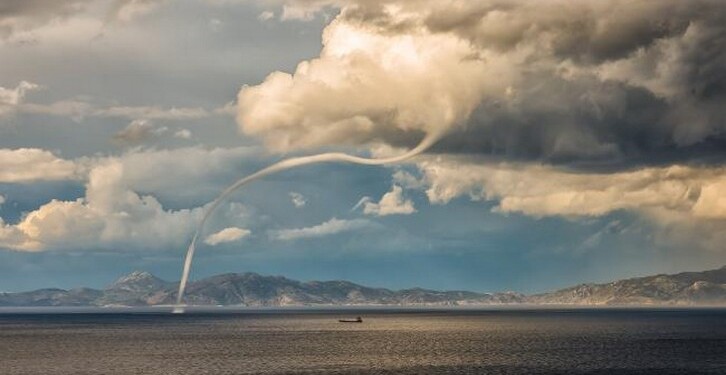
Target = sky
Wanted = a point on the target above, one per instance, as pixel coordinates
(576, 141)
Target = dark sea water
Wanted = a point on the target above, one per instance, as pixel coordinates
(387, 342)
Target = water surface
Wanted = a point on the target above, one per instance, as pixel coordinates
(568, 341)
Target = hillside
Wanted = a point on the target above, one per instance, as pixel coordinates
(250, 289)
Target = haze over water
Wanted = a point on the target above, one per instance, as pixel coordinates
(628, 341)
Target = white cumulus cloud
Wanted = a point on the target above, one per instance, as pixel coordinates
(227, 235)
(11, 98)
(540, 190)
(111, 215)
(683, 205)
(31, 164)
(330, 227)
(114, 214)
(367, 84)
(128, 10)
(392, 203)
(136, 132)
(298, 200)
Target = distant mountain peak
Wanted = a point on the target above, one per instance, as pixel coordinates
(136, 275)
(139, 274)
(138, 281)
(141, 288)
(685, 288)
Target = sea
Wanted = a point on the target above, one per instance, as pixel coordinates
(388, 341)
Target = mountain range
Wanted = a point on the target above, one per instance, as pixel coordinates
(250, 289)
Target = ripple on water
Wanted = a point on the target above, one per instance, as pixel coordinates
(494, 342)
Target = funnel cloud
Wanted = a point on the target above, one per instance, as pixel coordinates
(297, 162)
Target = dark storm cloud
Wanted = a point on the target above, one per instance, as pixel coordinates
(590, 31)
(602, 124)
(624, 82)
(614, 82)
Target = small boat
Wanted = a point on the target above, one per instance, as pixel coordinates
(356, 320)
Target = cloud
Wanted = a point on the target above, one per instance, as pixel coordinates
(137, 131)
(228, 109)
(368, 84)
(215, 24)
(121, 208)
(128, 10)
(109, 216)
(302, 11)
(75, 109)
(162, 172)
(10, 99)
(407, 180)
(298, 200)
(330, 227)
(227, 235)
(539, 190)
(80, 109)
(266, 16)
(618, 87)
(392, 203)
(153, 113)
(11, 236)
(294, 10)
(555, 108)
(711, 202)
(521, 80)
(682, 206)
(26, 165)
(22, 15)
(183, 134)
